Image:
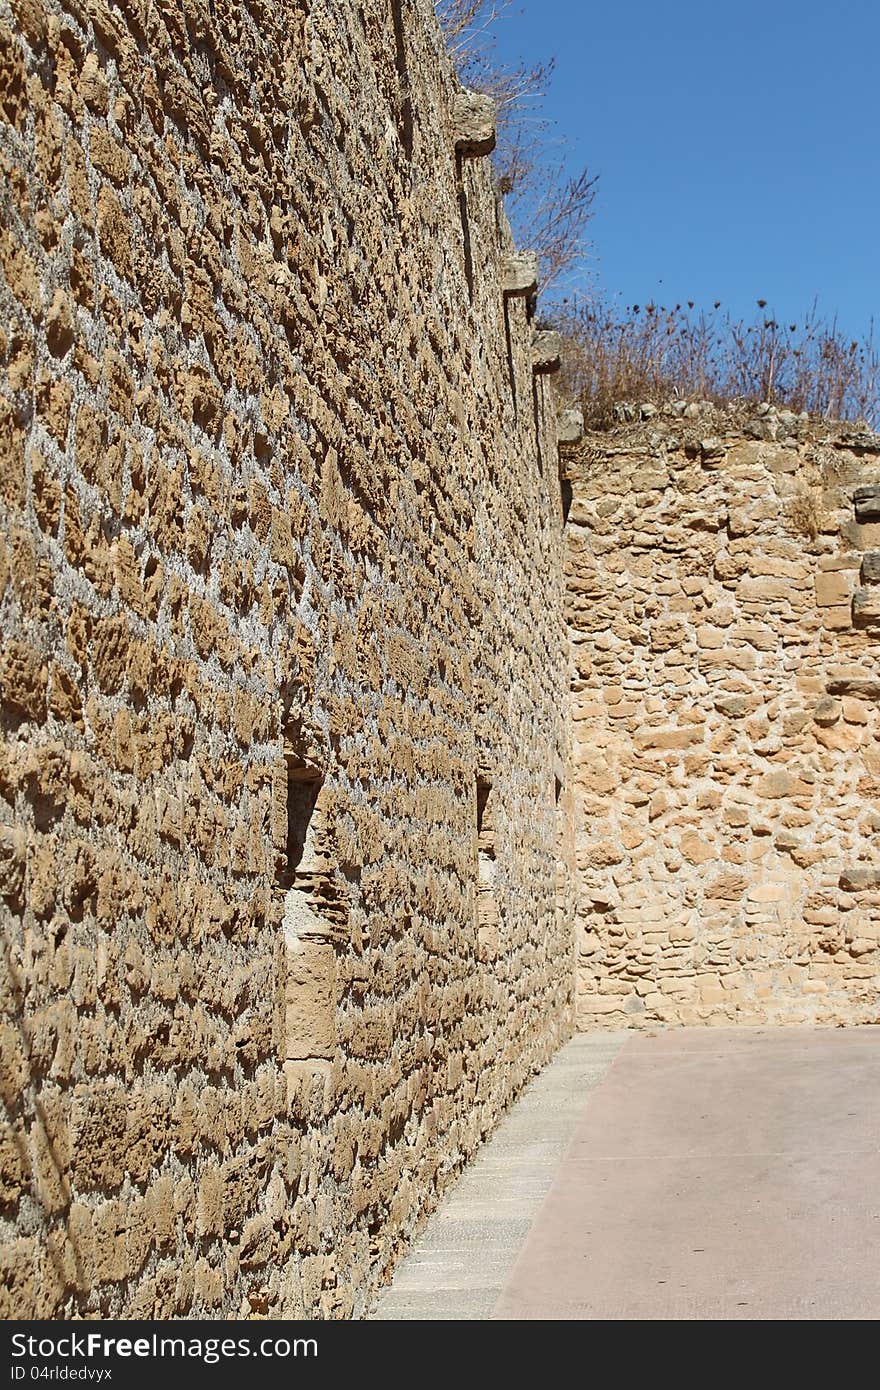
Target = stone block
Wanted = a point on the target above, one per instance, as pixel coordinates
(766, 893)
(866, 607)
(870, 571)
(835, 588)
(859, 880)
(780, 783)
(854, 711)
(867, 686)
(733, 706)
(763, 590)
(861, 536)
(696, 849)
(519, 273)
(24, 679)
(866, 502)
(570, 426)
(712, 452)
(827, 711)
(310, 1013)
(782, 461)
(837, 619)
(546, 351)
(12, 866)
(668, 739)
(99, 1135)
(473, 124)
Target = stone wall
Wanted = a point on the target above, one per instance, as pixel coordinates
(723, 581)
(281, 610)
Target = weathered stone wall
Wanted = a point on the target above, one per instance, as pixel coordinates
(724, 609)
(280, 578)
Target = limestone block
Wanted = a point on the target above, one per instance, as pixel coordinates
(864, 685)
(866, 607)
(696, 849)
(24, 677)
(862, 946)
(12, 866)
(546, 351)
(256, 1242)
(741, 523)
(764, 590)
(870, 571)
(866, 501)
(838, 618)
(310, 1016)
(519, 273)
(834, 588)
(859, 880)
(473, 123)
(710, 637)
(570, 426)
(782, 461)
(99, 1128)
(780, 783)
(766, 893)
(854, 711)
(712, 452)
(861, 535)
(666, 739)
(733, 706)
(827, 711)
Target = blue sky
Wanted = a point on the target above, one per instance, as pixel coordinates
(737, 146)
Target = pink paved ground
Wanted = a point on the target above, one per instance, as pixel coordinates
(716, 1173)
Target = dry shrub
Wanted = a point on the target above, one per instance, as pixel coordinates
(803, 513)
(657, 354)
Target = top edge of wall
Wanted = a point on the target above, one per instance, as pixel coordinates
(683, 424)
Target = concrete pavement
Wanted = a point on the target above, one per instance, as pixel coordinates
(710, 1174)
(456, 1269)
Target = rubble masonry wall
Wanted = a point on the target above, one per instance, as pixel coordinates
(723, 580)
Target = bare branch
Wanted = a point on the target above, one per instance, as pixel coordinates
(548, 209)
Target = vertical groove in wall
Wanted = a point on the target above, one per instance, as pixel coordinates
(406, 119)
